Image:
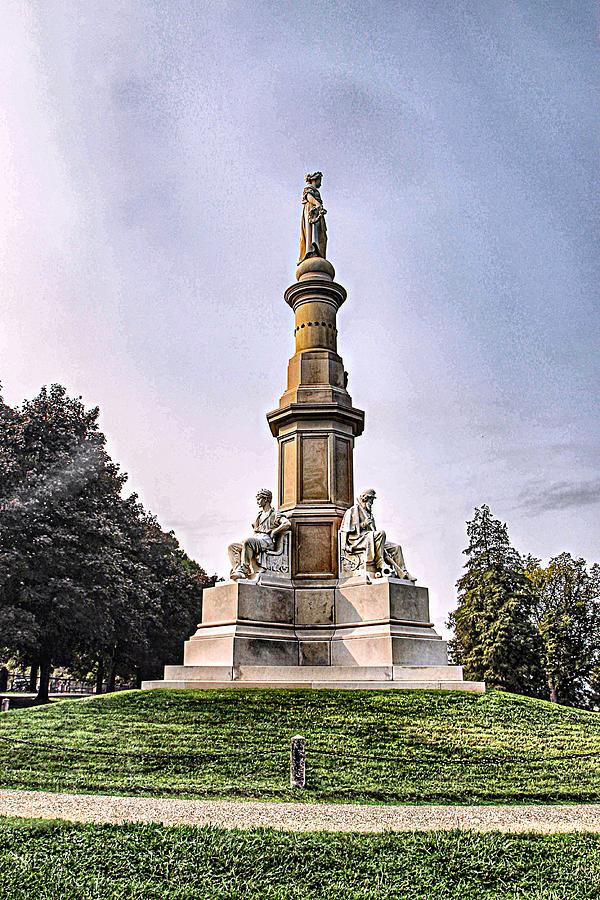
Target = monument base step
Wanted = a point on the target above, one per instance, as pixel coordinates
(444, 678)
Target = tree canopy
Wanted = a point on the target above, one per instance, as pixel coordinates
(86, 574)
(567, 615)
(524, 627)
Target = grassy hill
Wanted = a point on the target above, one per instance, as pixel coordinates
(363, 746)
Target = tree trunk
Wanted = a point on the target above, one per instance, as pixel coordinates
(100, 675)
(138, 678)
(553, 688)
(33, 677)
(112, 675)
(45, 669)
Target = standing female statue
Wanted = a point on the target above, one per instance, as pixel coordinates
(313, 229)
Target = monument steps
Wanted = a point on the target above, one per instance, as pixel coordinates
(317, 677)
(473, 686)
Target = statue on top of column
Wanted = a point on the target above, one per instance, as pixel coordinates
(313, 228)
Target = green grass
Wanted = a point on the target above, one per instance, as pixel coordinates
(441, 747)
(52, 860)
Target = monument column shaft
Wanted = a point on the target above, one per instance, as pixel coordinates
(315, 326)
(315, 426)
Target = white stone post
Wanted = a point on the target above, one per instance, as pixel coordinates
(298, 762)
(5, 704)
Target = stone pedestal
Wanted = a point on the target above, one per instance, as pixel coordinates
(349, 636)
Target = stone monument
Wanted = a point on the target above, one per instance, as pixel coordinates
(317, 596)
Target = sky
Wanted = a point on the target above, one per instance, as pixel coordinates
(152, 157)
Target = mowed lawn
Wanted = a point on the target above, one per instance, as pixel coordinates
(48, 860)
(363, 746)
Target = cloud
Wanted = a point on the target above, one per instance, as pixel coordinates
(542, 497)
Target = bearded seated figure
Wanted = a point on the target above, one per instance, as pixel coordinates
(364, 549)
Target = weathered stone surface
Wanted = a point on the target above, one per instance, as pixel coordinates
(367, 626)
(427, 673)
(313, 673)
(244, 600)
(263, 651)
(418, 652)
(383, 599)
(384, 647)
(315, 606)
(315, 653)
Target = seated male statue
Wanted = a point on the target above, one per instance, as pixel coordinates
(268, 525)
(359, 535)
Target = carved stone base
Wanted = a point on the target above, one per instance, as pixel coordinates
(439, 678)
(255, 634)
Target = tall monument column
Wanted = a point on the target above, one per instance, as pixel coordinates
(315, 423)
(293, 614)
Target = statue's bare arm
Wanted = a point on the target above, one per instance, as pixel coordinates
(282, 526)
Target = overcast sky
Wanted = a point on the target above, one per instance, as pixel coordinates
(152, 159)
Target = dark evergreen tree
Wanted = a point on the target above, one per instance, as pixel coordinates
(567, 614)
(494, 637)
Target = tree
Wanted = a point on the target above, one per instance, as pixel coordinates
(567, 615)
(494, 638)
(19, 627)
(178, 583)
(87, 578)
(59, 491)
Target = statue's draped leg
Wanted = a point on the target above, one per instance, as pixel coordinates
(303, 237)
(252, 547)
(379, 556)
(320, 237)
(234, 551)
(393, 552)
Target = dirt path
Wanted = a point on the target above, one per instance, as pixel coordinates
(298, 816)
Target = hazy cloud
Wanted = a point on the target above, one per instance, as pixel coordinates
(544, 497)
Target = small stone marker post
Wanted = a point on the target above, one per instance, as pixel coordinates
(5, 704)
(298, 762)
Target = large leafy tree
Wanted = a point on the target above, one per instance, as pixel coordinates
(19, 628)
(567, 614)
(494, 638)
(177, 583)
(59, 560)
(79, 570)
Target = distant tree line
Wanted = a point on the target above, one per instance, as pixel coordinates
(88, 579)
(524, 627)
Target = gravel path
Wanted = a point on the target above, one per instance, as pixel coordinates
(298, 816)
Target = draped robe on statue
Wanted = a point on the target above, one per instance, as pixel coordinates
(313, 228)
(359, 535)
